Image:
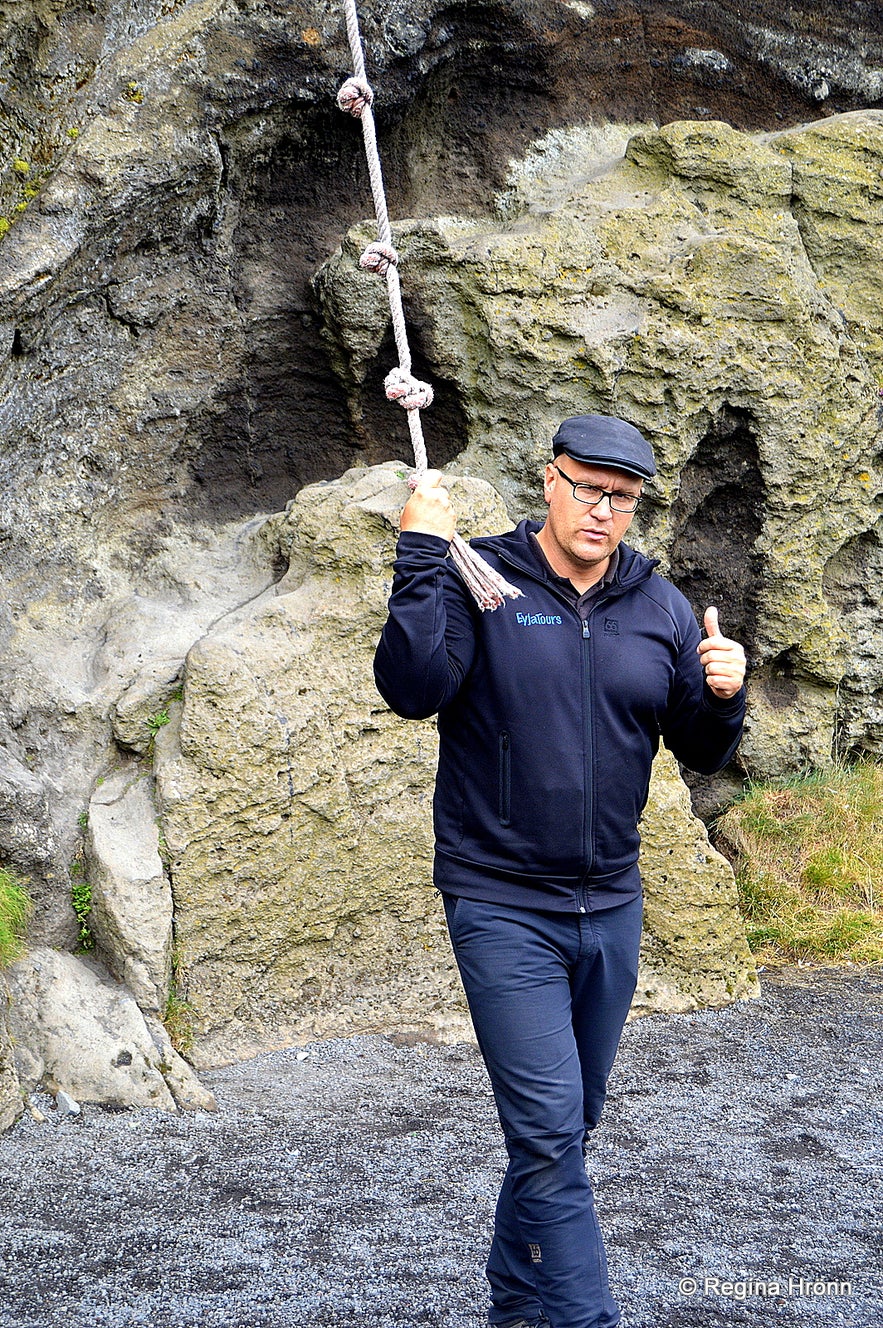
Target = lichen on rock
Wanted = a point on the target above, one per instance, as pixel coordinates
(694, 953)
(294, 805)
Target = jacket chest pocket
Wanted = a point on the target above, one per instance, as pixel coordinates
(505, 777)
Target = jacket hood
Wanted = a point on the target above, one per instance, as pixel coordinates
(513, 548)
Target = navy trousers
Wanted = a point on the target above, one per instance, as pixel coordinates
(548, 994)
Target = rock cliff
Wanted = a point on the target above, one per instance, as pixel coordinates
(180, 354)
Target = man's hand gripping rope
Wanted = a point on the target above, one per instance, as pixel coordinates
(428, 510)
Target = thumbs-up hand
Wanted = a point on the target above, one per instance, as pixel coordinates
(722, 659)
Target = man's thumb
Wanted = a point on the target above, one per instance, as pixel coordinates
(712, 625)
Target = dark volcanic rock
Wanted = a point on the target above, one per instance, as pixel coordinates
(192, 168)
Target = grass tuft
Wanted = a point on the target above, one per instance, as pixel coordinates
(15, 908)
(178, 1018)
(808, 856)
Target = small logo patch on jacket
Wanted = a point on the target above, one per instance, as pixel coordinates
(536, 1254)
(538, 619)
(611, 626)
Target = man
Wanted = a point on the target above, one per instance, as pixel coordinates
(550, 711)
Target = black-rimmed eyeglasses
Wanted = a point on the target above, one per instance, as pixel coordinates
(592, 494)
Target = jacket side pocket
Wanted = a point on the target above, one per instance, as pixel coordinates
(505, 778)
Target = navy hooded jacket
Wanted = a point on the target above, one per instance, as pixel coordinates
(547, 725)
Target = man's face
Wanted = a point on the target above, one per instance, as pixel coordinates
(584, 537)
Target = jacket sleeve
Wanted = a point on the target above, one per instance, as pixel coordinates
(701, 730)
(428, 643)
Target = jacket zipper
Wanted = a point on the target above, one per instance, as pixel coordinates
(588, 778)
(582, 894)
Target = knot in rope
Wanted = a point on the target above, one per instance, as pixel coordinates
(355, 94)
(407, 390)
(379, 257)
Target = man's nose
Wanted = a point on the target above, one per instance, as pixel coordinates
(598, 507)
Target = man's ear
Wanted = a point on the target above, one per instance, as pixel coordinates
(549, 478)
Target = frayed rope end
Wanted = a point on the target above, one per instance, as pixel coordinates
(488, 588)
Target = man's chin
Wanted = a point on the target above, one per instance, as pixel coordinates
(591, 553)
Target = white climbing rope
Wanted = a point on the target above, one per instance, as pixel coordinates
(356, 97)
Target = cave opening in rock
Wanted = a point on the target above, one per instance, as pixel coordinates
(489, 89)
(382, 427)
(282, 421)
(285, 421)
(717, 519)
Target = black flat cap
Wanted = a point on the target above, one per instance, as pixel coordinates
(604, 440)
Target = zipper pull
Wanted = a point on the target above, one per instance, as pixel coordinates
(586, 632)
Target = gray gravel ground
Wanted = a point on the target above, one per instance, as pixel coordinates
(352, 1187)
